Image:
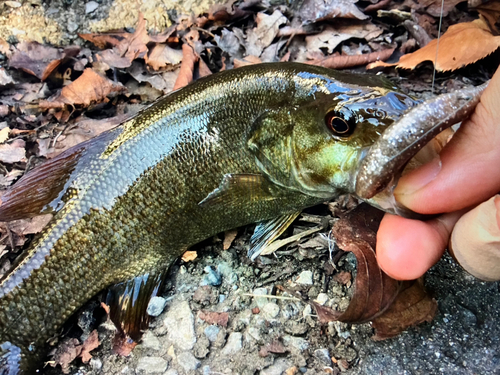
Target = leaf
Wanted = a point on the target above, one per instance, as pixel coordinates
(347, 61)
(319, 10)
(89, 87)
(39, 60)
(162, 56)
(489, 10)
(187, 67)
(34, 225)
(435, 8)
(4, 134)
(411, 307)
(90, 344)
(13, 152)
(164, 81)
(461, 45)
(229, 237)
(332, 36)
(189, 256)
(264, 33)
(66, 352)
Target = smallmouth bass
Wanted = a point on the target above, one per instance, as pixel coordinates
(259, 143)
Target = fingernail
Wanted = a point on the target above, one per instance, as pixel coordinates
(414, 181)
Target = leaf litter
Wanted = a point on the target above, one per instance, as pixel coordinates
(142, 64)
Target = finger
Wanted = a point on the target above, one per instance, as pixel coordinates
(475, 240)
(407, 248)
(466, 173)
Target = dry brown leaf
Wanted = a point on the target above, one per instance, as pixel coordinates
(5, 48)
(189, 256)
(33, 225)
(122, 345)
(347, 61)
(212, 317)
(461, 45)
(65, 353)
(164, 81)
(161, 56)
(229, 237)
(39, 60)
(435, 8)
(319, 10)
(13, 152)
(332, 36)
(90, 344)
(187, 67)
(90, 87)
(489, 10)
(411, 307)
(4, 134)
(126, 46)
(264, 33)
(247, 60)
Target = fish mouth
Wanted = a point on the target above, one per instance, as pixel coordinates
(381, 165)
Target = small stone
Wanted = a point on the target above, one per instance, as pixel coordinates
(307, 311)
(296, 342)
(270, 310)
(222, 298)
(180, 325)
(91, 6)
(188, 361)
(72, 26)
(13, 4)
(206, 370)
(254, 332)
(279, 366)
(322, 298)
(233, 344)
(212, 277)
(150, 341)
(255, 310)
(171, 372)
(211, 332)
(260, 301)
(323, 356)
(156, 306)
(151, 365)
(305, 278)
(96, 364)
(229, 275)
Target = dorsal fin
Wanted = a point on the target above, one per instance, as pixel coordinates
(37, 191)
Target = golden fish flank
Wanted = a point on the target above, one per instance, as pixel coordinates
(256, 144)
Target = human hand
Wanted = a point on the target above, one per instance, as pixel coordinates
(466, 174)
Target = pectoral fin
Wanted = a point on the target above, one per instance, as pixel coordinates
(238, 190)
(267, 232)
(128, 302)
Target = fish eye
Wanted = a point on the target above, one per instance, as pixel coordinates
(339, 123)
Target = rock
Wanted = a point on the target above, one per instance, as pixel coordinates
(212, 277)
(296, 342)
(229, 275)
(72, 26)
(171, 372)
(260, 301)
(96, 364)
(233, 344)
(150, 341)
(188, 361)
(278, 367)
(305, 278)
(156, 306)
(322, 298)
(307, 311)
(211, 332)
(151, 365)
(270, 310)
(254, 332)
(180, 326)
(91, 6)
(323, 356)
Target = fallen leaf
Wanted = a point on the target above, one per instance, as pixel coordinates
(461, 45)
(90, 87)
(264, 33)
(435, 8)
(189, 256)
(4, 134)
(274, 346)
(342, 277)
(319, 10)
(33, 225)
(229, 237)
(347, 61)
(187, 67)
(247, 60)
(88, 345)
(163, 81)
(13, 152)
(5, 78)
(411, 307)
(230, 43)
(332, 36)
(14, 174)
(126, 46)
(212, 317)
(39, 60)
(66, 352)
(161, 56)
(5, 48)
(489, 10)
(122, 345)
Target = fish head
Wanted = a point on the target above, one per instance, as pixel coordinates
(316, 147)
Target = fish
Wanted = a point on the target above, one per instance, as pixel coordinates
(256, 144)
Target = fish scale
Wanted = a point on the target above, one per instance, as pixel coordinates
(129, 200)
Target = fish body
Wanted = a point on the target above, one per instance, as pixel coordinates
(238, 147)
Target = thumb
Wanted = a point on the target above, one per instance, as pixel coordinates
(467, 170)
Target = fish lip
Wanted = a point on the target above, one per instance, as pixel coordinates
(404, 138)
